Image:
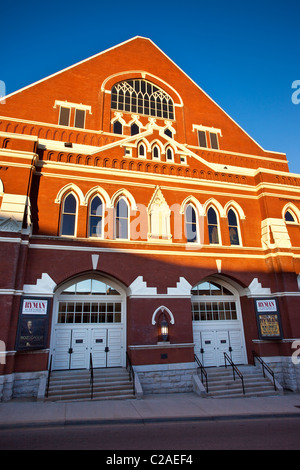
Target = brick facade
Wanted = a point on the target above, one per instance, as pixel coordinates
(43, 162)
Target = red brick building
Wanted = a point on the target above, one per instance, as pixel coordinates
(131, 202)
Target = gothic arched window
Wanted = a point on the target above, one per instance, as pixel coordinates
(122, 219)
(117, 128)
(134, 129)
(213, 229)
(191, 224)
(142, 97)
(96, 217)
(233, 227)
(68, 216)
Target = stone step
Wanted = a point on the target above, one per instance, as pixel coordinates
(107, 387)
(221, 383)
(76, 385)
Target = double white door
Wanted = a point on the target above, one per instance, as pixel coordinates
(72, 347)
(211, 345)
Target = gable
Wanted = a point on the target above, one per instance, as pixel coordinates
(85, 90)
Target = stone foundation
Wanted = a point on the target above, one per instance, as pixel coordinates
(287, 373)
(169, 378)
(23, 385)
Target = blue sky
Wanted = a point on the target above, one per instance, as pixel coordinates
(244, 54)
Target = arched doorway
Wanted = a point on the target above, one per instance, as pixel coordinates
(89, 318)
(217, 323)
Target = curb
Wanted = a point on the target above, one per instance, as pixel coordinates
(105, 422)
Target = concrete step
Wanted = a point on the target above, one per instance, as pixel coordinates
(221, 383)
(75, 385)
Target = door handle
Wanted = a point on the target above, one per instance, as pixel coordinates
(106, 349)
(70, 350)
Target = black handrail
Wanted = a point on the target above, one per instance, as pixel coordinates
(234, 369)
(131, 371)
(92, 376)
(202, 370)
(264, 366)
(49, 373)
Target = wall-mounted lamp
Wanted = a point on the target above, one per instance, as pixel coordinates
(164, 329)
(163, 318)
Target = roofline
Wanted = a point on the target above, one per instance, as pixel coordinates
(70, 67)
(204, 92)
(119, 45)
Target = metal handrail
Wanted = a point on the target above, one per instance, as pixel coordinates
(264, 366)
(131, 371)
(234, 369)
(49, 373)
(92, 376)
(202, 370)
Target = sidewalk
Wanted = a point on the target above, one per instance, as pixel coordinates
(151, 408)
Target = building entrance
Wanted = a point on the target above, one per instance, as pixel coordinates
(73, 347)
(211, 345)
(89, 320)
(217, 324)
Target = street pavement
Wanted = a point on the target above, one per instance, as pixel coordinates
(150, 408)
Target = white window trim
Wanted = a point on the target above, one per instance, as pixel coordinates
(218, 225)
(67, 104)
(159, 153)
(217, 137)
(172, 151)
(70, 106)
(294, 211)
(141, 144)
(200, 127)
(113, 125)
(128, 152)
(238, 225)
(89, 217)
(197, 241)
(68, 125)
(115, 218)
(76, 127)
(62, 213)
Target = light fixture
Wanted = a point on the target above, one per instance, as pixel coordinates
(164, 329)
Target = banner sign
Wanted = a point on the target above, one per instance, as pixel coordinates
(32, 330)
(34, 307)
(266, 305)
(268, 319)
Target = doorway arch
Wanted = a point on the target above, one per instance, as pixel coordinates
(217, 322)
(89, 318)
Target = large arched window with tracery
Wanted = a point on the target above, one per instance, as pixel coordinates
(142, 97)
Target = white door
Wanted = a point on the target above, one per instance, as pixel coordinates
(222, 346)
(213, 343)
(208, 348)
(79, 348)
(237, 351)
(72, 348)
(61, 355)
(98, 345)
(114, 347)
